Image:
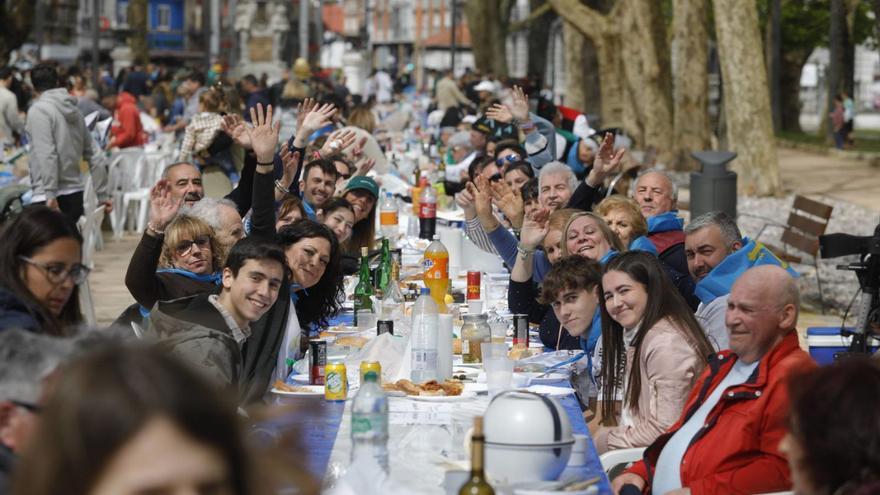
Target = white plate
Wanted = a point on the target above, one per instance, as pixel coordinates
(551, 378)
(550, 391)
(313, 391)
(443, 398)
(550, 488)
(343, 331)
(301, 379)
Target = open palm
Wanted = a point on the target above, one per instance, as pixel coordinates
(264, 135)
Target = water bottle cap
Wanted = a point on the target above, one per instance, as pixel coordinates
(425, 290)
(436, 237)
(387, 194)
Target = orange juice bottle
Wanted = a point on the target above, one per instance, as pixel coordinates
(416, 192)
(436, 264)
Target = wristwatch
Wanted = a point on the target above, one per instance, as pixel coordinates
(524, 251)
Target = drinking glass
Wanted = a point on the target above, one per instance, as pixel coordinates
(499, 373)
(366, 320)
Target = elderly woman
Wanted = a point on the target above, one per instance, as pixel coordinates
(622, 214)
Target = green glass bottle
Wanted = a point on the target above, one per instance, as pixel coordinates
(383, 273)
(477, 484)
(363, 292)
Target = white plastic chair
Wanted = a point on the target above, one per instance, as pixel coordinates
(90, 227)
(147, 172)
(615, 458)
(123, 177)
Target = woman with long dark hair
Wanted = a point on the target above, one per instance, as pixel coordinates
(653, 352)
(40, 269)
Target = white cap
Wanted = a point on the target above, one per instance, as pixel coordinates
(581, 127)
(485, 85)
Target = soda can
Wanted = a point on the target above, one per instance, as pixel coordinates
(384, 326)
(318, 361)
(520, 329)
(336, 382)
(473, 285)
(371, 367)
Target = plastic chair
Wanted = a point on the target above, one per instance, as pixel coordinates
(147, 172)
(90, 227)
(122, 175)
(621, 457)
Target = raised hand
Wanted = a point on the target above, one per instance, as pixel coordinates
(465, 199)
(482, 196)
(264, 135)
(365, 167)
(358, 149)
(519, 106)
(338, 141)
(290, 163)
(606, 161)
(316, 119)
(302, 110)
(163, 208)
(508, 201)
(236, 128)
(500, 113)
(534, 228)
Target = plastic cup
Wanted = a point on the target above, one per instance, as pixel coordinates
(499, 373)
(366, 320)
(475, 306)
(493, 350)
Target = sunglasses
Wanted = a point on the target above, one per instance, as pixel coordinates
(57, 273)
(507, 159)
(185, 247)
(495, 177)
(27, 406)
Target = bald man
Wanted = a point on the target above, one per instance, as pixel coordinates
(727, 440)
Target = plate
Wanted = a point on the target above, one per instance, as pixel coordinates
(550, 391)
(443, 398)
(313, 391)
(301, 379)
(551, 378)
(343, 331)
(550, 488)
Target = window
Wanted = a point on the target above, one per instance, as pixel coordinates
(122, 13)
(163, 15)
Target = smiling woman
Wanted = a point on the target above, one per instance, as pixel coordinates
(587, 235)
(40, 268)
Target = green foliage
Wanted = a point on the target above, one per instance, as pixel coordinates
(805, 23)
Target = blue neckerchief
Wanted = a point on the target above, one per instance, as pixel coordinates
(665, 222)
(215, 277)
(327, 129)
(294, 287)
(641, 243)
(589, 344)
(310, 210)
(719, 281)
(608, 256)
(572, 160)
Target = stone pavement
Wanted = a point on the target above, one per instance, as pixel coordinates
(108, 278)
(845, 179)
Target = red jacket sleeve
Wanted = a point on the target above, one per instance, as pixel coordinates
(127, 133)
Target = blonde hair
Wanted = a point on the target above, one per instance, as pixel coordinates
(214, 100)
(629, 207)
(363, 118)
(613, 241)
(186, 227)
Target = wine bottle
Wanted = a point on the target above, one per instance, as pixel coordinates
(477, 485)
(364, 289)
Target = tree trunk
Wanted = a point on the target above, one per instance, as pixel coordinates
(691, 80)
(773, 46)
(648, 76)
(17, 19)
(575, 86)
(487, 21)
(746, 97)
(790, 87)
(137, 22)
(539, 41)
(604, 32)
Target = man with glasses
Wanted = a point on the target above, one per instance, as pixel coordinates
(26, 360)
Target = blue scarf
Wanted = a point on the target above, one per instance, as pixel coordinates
(641, 243)
(589, 344)
(294, 288)
(215, 277)
(665, 222)
(720, 280)
(310, 210)
(572, 160)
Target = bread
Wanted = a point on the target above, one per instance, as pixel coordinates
(351, 341)
(430, 388)
(452, 387)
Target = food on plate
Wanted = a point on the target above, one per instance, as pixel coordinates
(522, 351)
(351, 341)
(279, 385)
(433, 387)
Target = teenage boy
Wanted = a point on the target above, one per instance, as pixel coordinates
(210, 331)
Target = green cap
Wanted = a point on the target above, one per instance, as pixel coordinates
(365, 183)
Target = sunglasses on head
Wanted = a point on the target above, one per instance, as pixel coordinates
(185, 247)
(506, 159)
(495, 177)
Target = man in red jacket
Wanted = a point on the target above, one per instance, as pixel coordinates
(127, 129)
(727, 440)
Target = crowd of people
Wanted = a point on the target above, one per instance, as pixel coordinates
(688, 330)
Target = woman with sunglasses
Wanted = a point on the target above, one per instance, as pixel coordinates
(184, 247)
(40, 269)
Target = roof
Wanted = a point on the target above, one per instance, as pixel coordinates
(333, 16)
(443, 38)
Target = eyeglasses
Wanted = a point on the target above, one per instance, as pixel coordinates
(31, 408)
(495, 177)
(57, 273)
(185, 247)
(506, 159)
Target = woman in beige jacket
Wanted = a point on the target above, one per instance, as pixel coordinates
(654, 351)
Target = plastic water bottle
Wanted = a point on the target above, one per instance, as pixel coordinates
(369, 422)
(427, 212)
(388, 217)
(424, 338)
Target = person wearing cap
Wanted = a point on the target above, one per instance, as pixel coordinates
(362, 192)
(486, 93)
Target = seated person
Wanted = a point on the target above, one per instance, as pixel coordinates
(318, 184)
(727, 439)
(833, 432)
(623, 216)
(339, 217)
(717, 255)
(290, 210)
(210, 330)
(653, 351)
(522, 294)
